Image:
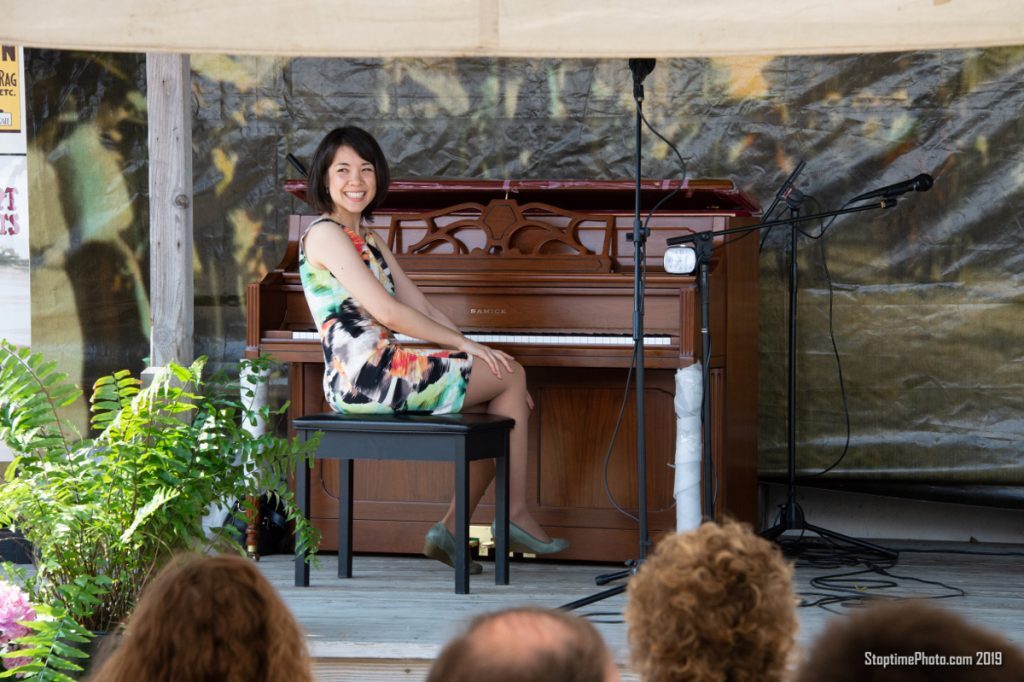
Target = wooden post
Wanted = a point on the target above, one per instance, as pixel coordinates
(169, 98)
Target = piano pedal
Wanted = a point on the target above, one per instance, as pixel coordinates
(485, 549)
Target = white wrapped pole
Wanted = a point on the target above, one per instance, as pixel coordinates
(254, 382)
(253, 395)
(688, 447)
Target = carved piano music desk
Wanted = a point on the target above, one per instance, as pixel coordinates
(543, 270)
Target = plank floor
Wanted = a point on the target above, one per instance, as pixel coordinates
(395, 614)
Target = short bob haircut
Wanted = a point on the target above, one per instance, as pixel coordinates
(317, 194)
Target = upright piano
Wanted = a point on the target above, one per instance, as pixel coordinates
(544, 270)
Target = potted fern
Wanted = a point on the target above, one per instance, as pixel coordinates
(104, 513)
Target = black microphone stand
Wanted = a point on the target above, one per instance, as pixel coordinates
(640, 68)
(791, 515)
(703, 246)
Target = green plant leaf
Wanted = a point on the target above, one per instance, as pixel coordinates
(50, 646)
(155, 504)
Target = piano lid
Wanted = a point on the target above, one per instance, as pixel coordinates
(591, 196)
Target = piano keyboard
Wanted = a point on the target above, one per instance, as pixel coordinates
(537, 339)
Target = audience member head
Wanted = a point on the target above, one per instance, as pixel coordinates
(905, 642)
(713, 604)
(526, 645)
(209, 619)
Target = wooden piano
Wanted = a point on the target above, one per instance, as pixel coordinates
(543, 270)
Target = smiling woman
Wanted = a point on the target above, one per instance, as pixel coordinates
(360, 296)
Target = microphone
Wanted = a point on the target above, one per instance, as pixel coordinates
(788, 188)
(641, 68)
(296, 164)
(922, 183)
(785, 191)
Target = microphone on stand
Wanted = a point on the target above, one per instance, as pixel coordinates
(785, 191)
(296, 164)
(641, 68)
(922, 183)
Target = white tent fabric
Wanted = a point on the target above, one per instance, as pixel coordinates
(513, 28)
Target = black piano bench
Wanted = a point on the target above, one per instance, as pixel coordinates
(455, 438)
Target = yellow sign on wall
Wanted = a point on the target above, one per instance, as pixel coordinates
(10, 90)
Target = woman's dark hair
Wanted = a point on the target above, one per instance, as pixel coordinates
(362, 142)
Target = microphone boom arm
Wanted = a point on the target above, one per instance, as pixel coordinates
(921, 183)
(687, 238)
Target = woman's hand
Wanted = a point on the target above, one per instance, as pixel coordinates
(494, 358)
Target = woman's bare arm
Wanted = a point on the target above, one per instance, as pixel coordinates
(327, 246)
(410, 294)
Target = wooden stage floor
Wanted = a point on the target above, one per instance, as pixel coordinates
(395, 614)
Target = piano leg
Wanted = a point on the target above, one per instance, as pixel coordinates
(253, 393)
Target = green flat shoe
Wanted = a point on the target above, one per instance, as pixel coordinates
(521, 541)
(440, 544)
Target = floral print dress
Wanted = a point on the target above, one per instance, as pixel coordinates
(365, 369)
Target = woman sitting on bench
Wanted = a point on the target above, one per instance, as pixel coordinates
(359, 297)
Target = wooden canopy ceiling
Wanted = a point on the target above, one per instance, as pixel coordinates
(513, 28)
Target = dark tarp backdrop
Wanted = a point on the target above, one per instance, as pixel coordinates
(925, 311)
(88, 211)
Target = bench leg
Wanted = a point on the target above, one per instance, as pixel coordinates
(461, 526)
(501, 517)
(302, 499)
(345, 467)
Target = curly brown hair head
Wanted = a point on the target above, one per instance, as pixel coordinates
(901, 641)
(714, 604)
(209, 619)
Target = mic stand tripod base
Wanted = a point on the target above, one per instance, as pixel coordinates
(604, 580)
(610, 592)
(612, 577)
(792, 518)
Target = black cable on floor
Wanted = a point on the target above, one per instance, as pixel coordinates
(969, 552)
(854, 588)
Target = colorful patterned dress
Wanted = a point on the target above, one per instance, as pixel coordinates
(365, 369)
